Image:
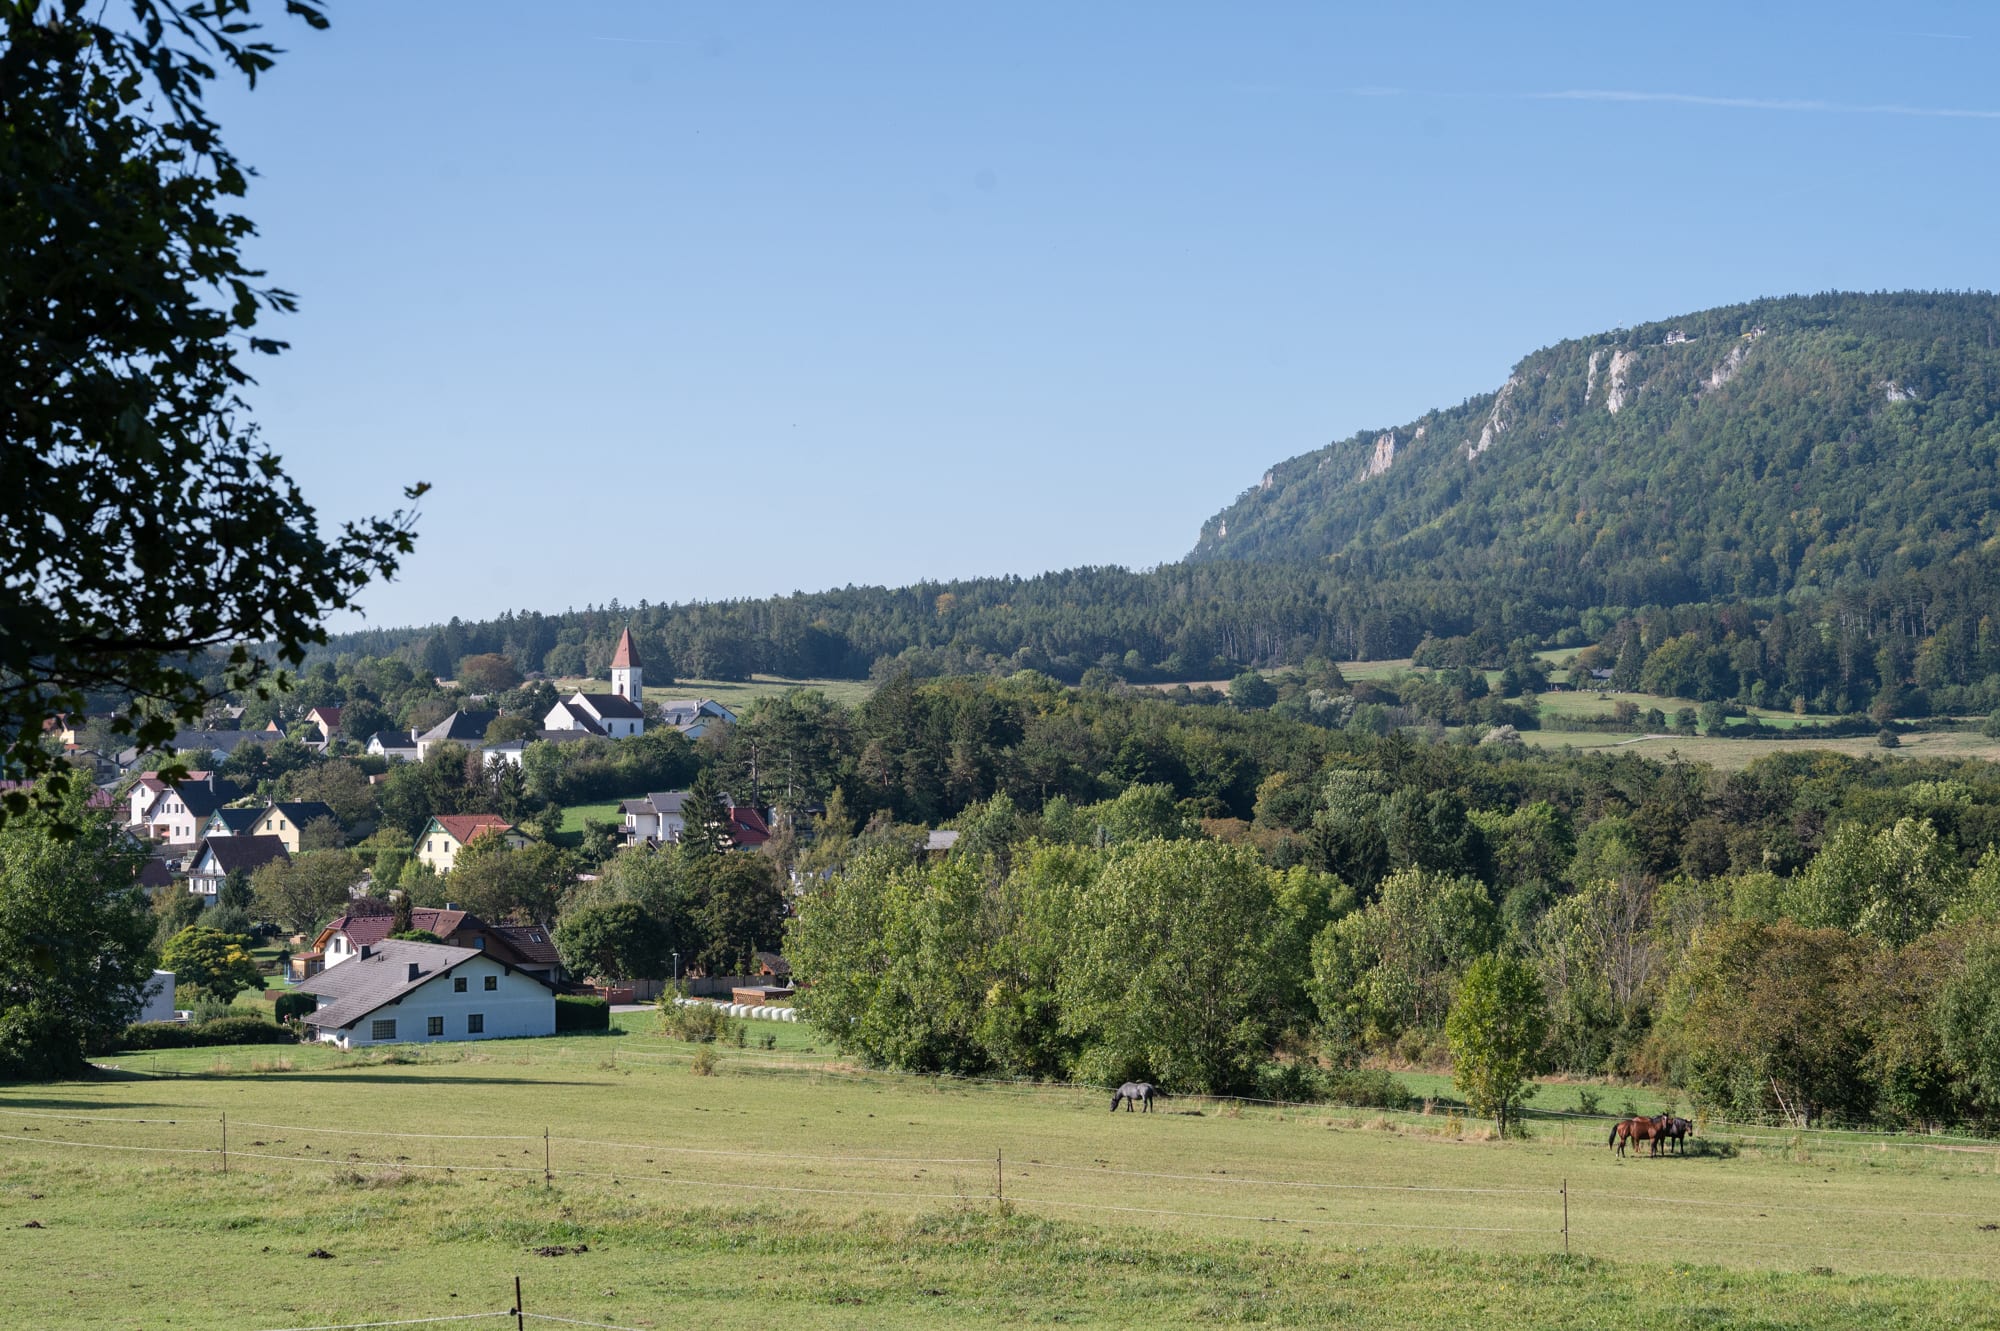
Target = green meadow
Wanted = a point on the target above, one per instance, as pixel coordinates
(783, 1185)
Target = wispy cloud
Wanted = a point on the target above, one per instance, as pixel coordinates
(1764, 104)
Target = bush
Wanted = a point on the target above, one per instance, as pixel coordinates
(157, 1035)
(1367, 1088)
(697, 1023)
(1298, 1081)
(290, 1005)
(582, 1012)
(240, 1030)
(1888, 740)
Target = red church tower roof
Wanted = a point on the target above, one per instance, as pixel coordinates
(627, 655)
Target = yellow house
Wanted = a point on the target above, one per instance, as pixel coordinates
(447, 834)
(286, 820)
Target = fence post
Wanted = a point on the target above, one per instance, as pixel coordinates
(225, 1143)
(548, 1175)
(999, 1178)
(520, 1322)
(1565, 1192)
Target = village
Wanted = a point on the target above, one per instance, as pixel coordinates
(382, 966)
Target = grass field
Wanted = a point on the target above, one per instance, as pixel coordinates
(789, 1188)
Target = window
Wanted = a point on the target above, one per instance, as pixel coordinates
(434, 1026)
(475, 1023)
(480, 942)
(492, 983)
(427, 847)
(458, 984)
(382, 1030)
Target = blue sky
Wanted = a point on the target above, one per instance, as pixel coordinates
(677, 302)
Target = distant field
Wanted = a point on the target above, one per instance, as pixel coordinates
(791, 1188)
(733, 694)
(1731, 755)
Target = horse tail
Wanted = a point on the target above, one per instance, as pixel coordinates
(1612, 1140)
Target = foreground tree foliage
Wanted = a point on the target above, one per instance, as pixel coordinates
(143, 523)
(1498, 1028)
(75, 939)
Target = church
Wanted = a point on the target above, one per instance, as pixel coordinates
(618, 713)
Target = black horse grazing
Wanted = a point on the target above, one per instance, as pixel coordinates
(1134, 1092)
(1675, 1132)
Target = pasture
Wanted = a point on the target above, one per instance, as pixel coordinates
(790, 1187)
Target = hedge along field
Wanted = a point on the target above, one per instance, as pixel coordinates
(788, 1185)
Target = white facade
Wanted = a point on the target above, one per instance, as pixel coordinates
(156, 1000)
(502, 1005)
(629, 682)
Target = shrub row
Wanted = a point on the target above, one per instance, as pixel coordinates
(221, 1030)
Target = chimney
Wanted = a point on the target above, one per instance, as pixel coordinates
(366, 952)
(413, 972)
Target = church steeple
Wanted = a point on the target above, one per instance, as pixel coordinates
(627, 676)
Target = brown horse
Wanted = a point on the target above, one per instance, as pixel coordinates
(1636, 1130)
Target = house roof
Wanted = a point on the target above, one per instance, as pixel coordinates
(236, 822)
(530, 942)
(302, 812)
(747, 826)
(392, 739)
(365, 984)
(156, 874)
(239, 852)
(204, 797)
(585, 722)
(463, 827)
(461, 726)
(602, 705)
(374, 926)
(659, 802)
(627, 654)
(224, 741)
(329, 715)
(941, 841)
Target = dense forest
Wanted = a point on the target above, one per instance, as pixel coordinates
(1807, 486)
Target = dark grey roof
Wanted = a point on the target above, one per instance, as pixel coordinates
(461, 726)
(239, 852)
(238, 822)
(360, 986)
(612, 704)
(302, 812)
(394, 739)
(586, 723)
(226, 741)
(201, 798)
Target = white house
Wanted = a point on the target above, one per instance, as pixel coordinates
(401, 744)
(215, 859)
(657, 817)
(693, 716)
(417, 993)
(176, 814)
(620, 713)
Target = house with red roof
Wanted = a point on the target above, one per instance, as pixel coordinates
(367, 924)
(449, 833)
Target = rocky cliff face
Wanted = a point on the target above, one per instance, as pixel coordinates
(1594, 441)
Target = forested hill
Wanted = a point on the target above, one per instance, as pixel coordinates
(1803, 442)
(1801, 484)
